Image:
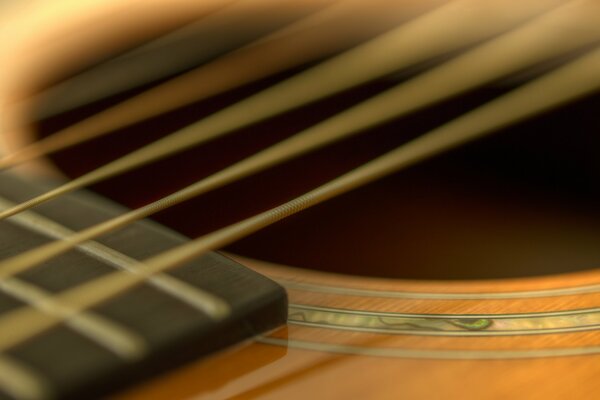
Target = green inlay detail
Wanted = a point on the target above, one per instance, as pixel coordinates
(472, 324)
(458, 325)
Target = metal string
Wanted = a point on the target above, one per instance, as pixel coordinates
(210, 79)
(330, 29)
(172, 53)
(511, 52)
(572, 81)
(449, 27)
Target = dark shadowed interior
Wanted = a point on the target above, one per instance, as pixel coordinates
(521, 202)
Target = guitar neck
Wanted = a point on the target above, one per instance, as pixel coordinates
(195, 309)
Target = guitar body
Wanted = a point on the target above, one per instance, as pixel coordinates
(440, 283)
(352, 337)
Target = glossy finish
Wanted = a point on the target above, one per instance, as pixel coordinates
(357, 337)
(481, 363)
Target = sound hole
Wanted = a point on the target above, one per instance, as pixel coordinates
(522, 202)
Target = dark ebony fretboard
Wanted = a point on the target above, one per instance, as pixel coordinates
(193, 310)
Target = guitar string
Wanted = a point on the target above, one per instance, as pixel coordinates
(21, 382)
(320, 34)
(447, 28)
(109, 334)
(211, 305)
(260, 58)
(505, 54)
(567, 83)
(168, 55)
(94, 80)
(77, 30)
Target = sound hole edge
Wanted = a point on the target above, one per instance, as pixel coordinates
(519, 203)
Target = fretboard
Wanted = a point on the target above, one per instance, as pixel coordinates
(190, 311)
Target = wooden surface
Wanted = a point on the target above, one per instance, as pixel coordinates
(356, 337)
(190, 310)
(517, 366)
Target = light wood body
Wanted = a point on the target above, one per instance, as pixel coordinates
(355, 360)
(258, 370)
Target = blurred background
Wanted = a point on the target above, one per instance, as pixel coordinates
(521, 202)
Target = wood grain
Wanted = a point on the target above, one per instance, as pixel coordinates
(325, 361)
(293, 373)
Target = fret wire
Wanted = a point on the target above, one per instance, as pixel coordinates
(578, 78)
(199, 299)
(110, 335)
(508, 53)
(21, 382)
(106, 333)
(453, 26)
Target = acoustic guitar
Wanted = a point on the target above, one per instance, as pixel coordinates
(436, 162)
